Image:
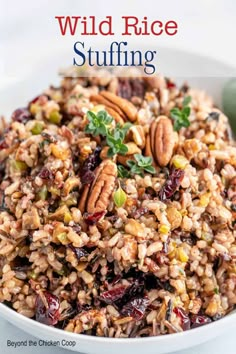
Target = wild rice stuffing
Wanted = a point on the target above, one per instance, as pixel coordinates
(118, 205)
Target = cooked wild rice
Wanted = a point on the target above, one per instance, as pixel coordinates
(156, 264)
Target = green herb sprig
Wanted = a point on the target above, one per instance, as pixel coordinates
(115, 140)
(98, 123)
(123, 172)
(101, 124)
(181, 116)
(140, 165)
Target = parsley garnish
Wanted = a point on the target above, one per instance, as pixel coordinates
(181, 116)
(140, 165)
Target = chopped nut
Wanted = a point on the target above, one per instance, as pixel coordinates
(87, 277)
(60, 213)
(174, 217)
(137, 133)
(70, 184)
(132, 149)
(31, 220)
(212, 308)
(130, 249)
(154, 248)
(191, 147)
(60, 152)
(195, 305)
(133, 227)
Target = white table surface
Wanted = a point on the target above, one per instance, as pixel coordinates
(224, 344)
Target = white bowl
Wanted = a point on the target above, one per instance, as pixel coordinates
(17, 94)
(99, 345)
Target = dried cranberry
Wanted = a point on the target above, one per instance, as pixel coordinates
(135, 308)
(124, 89)
(45, 173)
(92, 219)
(128, 88)
(111, 296)
(89, 165)
(47, 314)
(172, 183)
(138, 88)
(87, 177)
(21, 115)
(79, 252)
(199, 320)
(116, 279)
(35, 99)
(185, 321)
(134, 291)
(3, 144)
(170, 84)
(40, 98)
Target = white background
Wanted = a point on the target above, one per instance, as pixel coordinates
(29, 33)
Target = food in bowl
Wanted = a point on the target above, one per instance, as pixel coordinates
(118, 202)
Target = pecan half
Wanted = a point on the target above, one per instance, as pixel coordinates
(114, 115)
(97, 198)
(108, 104)
(83, 198)
(127, 107)
(162, 140)
(148, 151)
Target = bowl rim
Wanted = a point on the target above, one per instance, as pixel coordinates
(84, 337)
